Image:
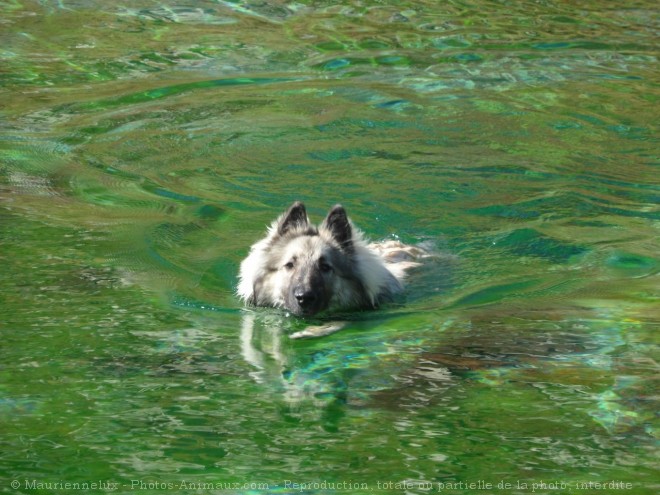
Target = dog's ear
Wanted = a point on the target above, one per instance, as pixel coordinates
(338, 225)
(296, 216)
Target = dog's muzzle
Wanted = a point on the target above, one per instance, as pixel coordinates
(307, 301)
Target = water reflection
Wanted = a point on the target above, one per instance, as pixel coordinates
(266, 343)
(360, 358)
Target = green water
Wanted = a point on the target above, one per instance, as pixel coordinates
(145, 145)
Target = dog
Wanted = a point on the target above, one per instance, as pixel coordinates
(307, 269)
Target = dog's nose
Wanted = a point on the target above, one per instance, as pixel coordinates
(305, 298)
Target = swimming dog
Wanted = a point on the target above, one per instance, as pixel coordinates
(306, 269)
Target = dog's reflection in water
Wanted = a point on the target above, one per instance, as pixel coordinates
(266, 344)
(326, 374)
(368, 361)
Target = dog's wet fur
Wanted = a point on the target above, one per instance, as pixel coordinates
(307, 269)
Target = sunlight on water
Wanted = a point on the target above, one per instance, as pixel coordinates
(145, 147)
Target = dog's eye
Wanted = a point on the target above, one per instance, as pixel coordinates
(289, 265)
(325, 267)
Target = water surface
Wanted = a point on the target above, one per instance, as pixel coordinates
(145, 146)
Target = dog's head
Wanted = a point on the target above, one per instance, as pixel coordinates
(309, 266)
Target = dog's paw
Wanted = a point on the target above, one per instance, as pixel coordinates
(318, 330)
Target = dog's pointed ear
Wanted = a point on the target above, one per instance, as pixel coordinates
(338, 225)
(296, 216)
